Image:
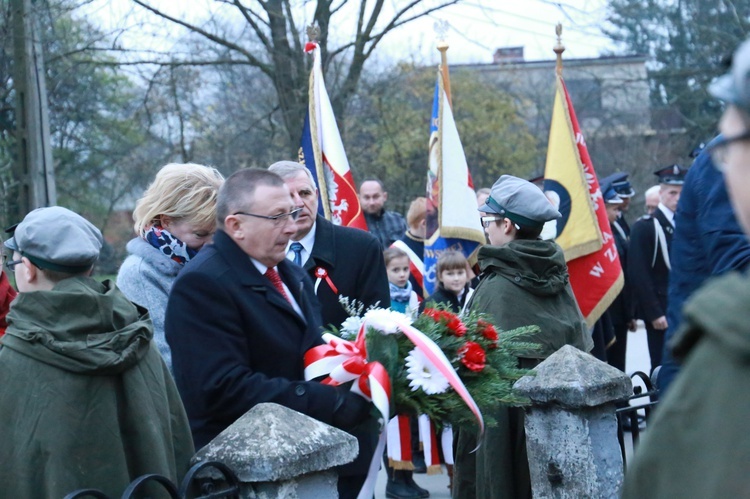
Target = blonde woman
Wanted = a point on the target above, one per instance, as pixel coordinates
(173, 220)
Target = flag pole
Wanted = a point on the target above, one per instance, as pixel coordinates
(559, 49)
(441, 29)
(313, 32)
(443, 48)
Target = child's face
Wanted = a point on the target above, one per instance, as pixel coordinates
(398, 271)
(454, 280)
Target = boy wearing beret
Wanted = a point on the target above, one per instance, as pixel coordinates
(87, 401)
(524, 282)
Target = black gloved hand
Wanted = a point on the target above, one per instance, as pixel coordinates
(350, 410)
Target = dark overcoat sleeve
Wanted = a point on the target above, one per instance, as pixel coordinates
(231, 351)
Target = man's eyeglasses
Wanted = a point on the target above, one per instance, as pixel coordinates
(277, 220)
(486, 221)
(10, 265)
(719, 149)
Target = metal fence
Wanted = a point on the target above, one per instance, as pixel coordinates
(632, 417)
(206, 480)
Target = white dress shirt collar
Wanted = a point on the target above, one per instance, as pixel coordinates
(307, 242)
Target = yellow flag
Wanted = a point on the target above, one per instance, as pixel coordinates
(566, 185)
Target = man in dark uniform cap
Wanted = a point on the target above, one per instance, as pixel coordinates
(621, 312)
(648, 259)
(621, 185)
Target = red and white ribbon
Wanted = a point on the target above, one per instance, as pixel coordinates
(430, 446)
(321, 274)
(399, 443)
(446, 439)
(343, 361)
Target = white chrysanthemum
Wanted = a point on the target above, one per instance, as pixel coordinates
(423, 374)
(350, 327)
(385, 320)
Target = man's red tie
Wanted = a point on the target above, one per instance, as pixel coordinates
(275, 279)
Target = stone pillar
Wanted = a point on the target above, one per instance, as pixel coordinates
(571, 427)
(279, 453)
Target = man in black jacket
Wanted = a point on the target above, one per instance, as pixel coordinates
(240, 318)
(387, 226)
(342, 261)
(648, 259)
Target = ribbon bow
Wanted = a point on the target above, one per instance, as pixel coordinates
(343, 361)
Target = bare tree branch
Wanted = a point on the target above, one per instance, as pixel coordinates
(248, 14)
(210, 36)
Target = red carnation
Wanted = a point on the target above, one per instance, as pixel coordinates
(433, 313)
(488, 331)
(472, 356)
(455, 325)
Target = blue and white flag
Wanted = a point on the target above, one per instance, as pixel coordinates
(452, 217)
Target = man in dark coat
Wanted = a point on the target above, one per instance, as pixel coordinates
(708, 241)
(621, 313)
(621, 185)
(387, 226)
(648, 259)
(342, 261)
(241, 316)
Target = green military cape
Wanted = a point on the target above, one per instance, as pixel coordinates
(86, 400)
(697, 444)
(523, 283)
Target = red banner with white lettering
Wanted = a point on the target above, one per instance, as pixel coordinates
(596, 277)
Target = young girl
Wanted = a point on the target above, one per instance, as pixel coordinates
(401, 484)
(403, 299)
(453, 281)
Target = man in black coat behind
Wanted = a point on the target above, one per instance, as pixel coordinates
(342, 261)
(240, 318)
(648, 259)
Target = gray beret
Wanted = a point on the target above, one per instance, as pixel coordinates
(57, 239)
(521, 201)
(734, 87)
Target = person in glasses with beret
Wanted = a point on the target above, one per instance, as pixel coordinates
(524, 282)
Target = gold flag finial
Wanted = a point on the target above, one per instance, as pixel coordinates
(559, 49)
(313, 32)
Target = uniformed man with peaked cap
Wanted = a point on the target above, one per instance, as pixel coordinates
(621, 313)
(621, 185)
(524, 282)
(648, 259)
